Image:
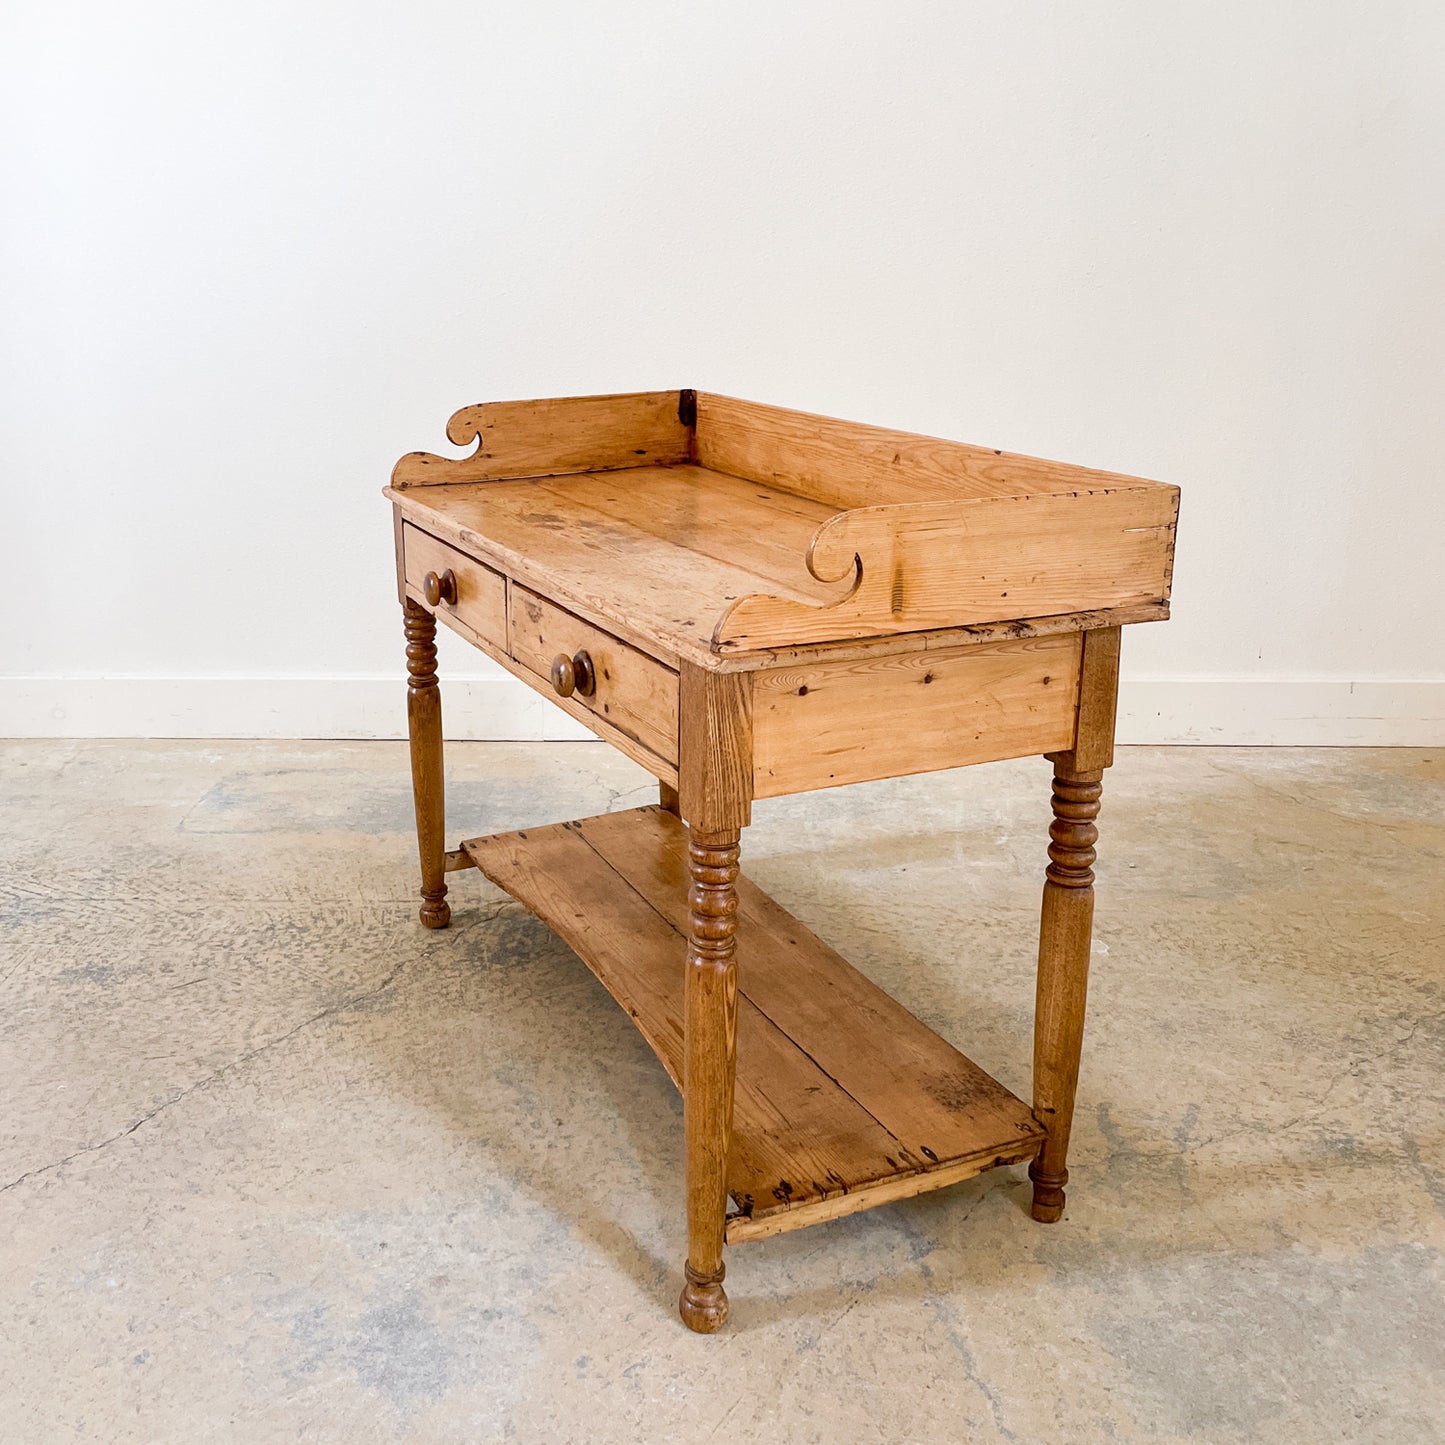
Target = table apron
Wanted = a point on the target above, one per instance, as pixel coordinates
(824, 724)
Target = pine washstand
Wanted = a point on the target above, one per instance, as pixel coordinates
(751, 602)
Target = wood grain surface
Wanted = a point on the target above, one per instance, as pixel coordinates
(849, 464)
(819, 725)
(424, 732)
(910, 567)
(554, 435)
(634, 692)
(687, 562)
(481, 601)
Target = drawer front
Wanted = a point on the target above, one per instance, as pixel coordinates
(481, 594)
(635, 693)
(820, 724)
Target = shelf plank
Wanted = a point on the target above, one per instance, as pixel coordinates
(843, 1098)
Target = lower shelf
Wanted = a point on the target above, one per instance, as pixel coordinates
(844, 1100)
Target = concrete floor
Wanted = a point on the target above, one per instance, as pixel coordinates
(279, 1165)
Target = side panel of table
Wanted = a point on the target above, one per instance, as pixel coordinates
(826, 723)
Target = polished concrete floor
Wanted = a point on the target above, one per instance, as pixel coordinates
(277, 1164)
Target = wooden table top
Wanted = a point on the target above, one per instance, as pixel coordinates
(745, 530)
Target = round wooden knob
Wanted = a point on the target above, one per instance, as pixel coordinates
(564, 675)
(441, 589)
(573, 674)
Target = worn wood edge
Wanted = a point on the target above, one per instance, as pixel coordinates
(469, 423)
(1153, 608)
(718, 641)
(664, 770)
(1173, 544)
(741, 1228)
(844, 569)
(971, 634)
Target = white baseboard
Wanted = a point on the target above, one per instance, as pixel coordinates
(1284, 711)
(269, 707)
(1256, 711)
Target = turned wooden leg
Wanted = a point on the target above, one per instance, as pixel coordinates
(710, 1026)
(1064, 935)
(424, 726)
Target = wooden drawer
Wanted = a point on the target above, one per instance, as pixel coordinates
(481, 594)
(635, 693)
(817, 725)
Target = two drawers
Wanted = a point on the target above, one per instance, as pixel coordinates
(812, 725)
(603, 682)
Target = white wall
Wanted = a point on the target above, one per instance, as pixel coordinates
(253, 253)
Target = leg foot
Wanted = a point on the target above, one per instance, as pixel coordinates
(704, 1304)
(436, 913)
(1048, 1205)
